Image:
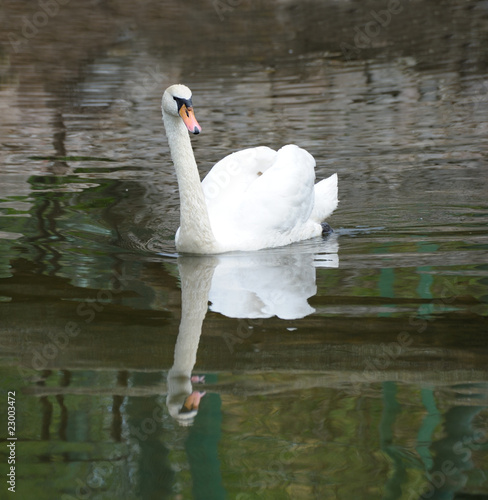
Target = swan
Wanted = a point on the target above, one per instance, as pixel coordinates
(252, 199)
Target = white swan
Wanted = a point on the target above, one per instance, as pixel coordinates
(252, 199)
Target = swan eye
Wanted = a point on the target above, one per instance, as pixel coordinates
(180, 102)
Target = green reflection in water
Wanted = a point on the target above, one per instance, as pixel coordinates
(202, 448)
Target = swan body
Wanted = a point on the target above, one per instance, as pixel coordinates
(252, 199)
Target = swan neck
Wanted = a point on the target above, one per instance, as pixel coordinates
(195, 233)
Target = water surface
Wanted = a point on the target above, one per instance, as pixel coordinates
(353, 366)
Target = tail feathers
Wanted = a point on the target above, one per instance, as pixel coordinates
(325, 199)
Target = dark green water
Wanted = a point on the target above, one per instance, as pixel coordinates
(340, 368)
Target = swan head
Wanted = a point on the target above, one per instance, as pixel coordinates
(177, 102)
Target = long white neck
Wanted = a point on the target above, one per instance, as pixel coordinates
(195, 234)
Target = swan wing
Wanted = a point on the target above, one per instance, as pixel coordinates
(325, 199)
(228, 180)
(282, 197)
(260, 198)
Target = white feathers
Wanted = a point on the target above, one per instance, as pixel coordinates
(326, 200)
(252, 199)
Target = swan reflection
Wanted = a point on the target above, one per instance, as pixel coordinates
(261, 284)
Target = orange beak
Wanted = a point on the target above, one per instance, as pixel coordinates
(189, 119)
(192, 402)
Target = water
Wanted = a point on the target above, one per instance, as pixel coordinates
(348, 367)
